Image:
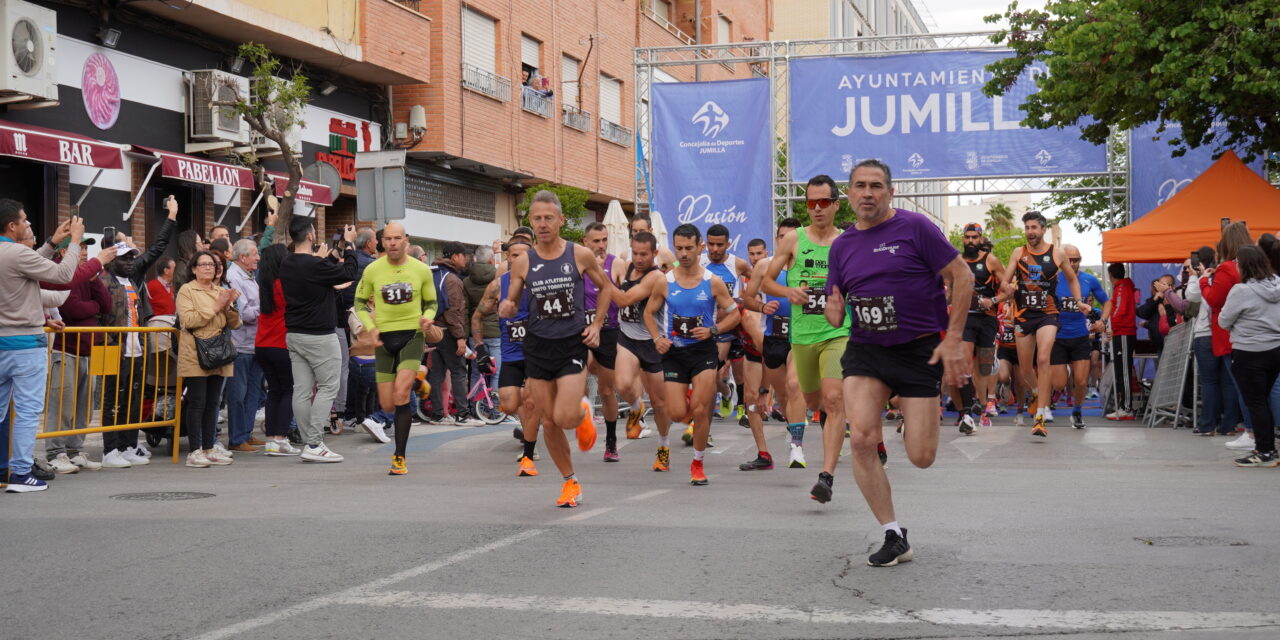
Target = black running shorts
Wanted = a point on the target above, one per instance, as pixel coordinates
(606, 354)
(776, 350)
(1068, 350)
(682, 364)
(399, 351)
(1030, 326)
(1008, 353)
(981, 329)
(511, 374)
(548, 359)
(904, 368)
(644, 351)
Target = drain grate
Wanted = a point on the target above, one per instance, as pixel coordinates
(1191, 541)
(162, 496)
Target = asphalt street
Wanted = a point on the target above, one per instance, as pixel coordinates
(1115, 530)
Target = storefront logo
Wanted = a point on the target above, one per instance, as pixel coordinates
(100, 87)
(75, 153)
(343, 147)
(20, 143)
(209, 173)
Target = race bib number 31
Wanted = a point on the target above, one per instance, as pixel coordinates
(398, 293)
(556, 304)
(816, 303)
(875, 313)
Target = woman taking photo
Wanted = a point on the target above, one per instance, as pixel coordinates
(272, 354)
(1252, 315)
(205, 310)
(1215, 285)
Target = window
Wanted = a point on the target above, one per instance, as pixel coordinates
(662, 9)
(478, 40)
(610, 99)
(569, 81)
(530, 52)
(722, 29)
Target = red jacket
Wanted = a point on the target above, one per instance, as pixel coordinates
(161, 298)
(1215, 291)
(1124, 308)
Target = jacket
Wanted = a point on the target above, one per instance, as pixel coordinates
(87, 301)
(1124, 305)
(21, 272)
(475, 284)
(119, 314)
(249, 305)
(1214, 290)
(161, 297)
(455, 317)
(1204, 324)
(1252, 315)
(195, 312)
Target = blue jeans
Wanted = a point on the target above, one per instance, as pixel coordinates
(244, 392)
(363, 399)
(1221, 410)
(23, 376)
(1275, 402)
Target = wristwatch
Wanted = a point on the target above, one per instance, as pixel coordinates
(714, 331)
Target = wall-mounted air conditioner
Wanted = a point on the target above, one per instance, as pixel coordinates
(27, 71)
(209, 123)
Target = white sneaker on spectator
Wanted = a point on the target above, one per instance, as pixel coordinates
(115, 460)
(217, 459)
(134, 459)
(85, 462)
(197, 459)
(259, 417)
(222, 416)
(375, 429)
(221, 450)
(142, 450)
(467, 421)
(319, 453)
(62, 464)
(280, 448)
(1243, 443)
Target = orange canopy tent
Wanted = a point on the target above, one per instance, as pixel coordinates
(1192, 217)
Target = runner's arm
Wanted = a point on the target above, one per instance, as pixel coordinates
(729, 316)
(637, 293)
(751, 295)
(519, 267)
(657, 298)
(364, 291)
(1009, 276)
(786, 252)
(956, 364)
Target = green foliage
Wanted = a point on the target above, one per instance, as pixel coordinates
(1091, 209)
(1123, 63)
(1002, 248)
(800, 211)
(999, 222)
(573, 202)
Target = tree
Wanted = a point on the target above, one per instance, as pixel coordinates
(573, 202)
(1123, 63)
(800, 210)
(999, 222)
(273, 107)
(1093, 208)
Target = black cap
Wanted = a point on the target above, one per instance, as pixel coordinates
(523, 231)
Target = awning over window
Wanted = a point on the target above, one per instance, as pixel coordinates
(50, 145)
(180, 166)
(308, 191)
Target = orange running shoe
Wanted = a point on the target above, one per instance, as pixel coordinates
(662, 462)
(697, 477)
(527, 468)
(398, 467)
(634, 420)
(570, 494)
(587, 428)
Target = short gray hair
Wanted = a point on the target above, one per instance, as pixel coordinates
(874, 163)
(363, 238)
(547, 197)
(416, 251)
(483, 254)
(243, 248)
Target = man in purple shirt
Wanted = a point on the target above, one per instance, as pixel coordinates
(890, 268)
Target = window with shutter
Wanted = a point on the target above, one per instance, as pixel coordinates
(531, 52)
(478, 40)
(722, 29)
(569, 81)
(610, 99)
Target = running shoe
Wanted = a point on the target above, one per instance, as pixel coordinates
(797, 457)
(319, 453)
(697, 477)
(526, 468)
(570, 494)
(725, 408)
(1018, 420)
(984, 421)
(901, 422)
(1077, 420)
(1092, 395)
(744, 422)
(761, 463)
(822, 488)
(1038, 428)
(611, 453)
(24, 483)
(518, 433)
(587, 428)
(1048, 414)
(335, 424)
(280, 448)
(1244, 443)
(635, 417)
(662, 461)
(1259, 459)
(740, 412)
(1123, 415)
(966, 424)
(645, 432)
(398, 467)
(895, 550)
(991, 410)
(777, 416)
(375, 429)
(890, 415)
(884, 456)
(687, 436)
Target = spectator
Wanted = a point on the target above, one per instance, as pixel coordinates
(205, 309)
(1124, 330)
(367, 242)
(1270, 245)
(1215, 286)
(221, 248)
(160, 288)
(24, 364)
(220, 232)
(1162, 311)
(308, 281)
(272, 354)
(244, 389)
(130, 307)
(1252, 315)
(1220, 408)
(417, 253)
(189, 243)
(362, 387)
(449, 355)
(483, 272)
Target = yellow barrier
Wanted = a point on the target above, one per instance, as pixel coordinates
(152, 360)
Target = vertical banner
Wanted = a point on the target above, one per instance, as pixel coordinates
(1156, 176)
(924, 114)
(711, 165)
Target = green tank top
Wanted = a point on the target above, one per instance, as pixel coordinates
(809, 272)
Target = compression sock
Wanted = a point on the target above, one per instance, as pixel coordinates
(404, 416)
(797, 432)
(528, 448)
(966, 397)
(740, 394)
(611, 432)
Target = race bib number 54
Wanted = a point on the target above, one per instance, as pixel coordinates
(816, 302)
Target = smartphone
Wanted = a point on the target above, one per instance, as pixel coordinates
(1225, 222)
(108, 236)
(1195, 259)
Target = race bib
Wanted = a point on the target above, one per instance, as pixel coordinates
(816, 303)
(975, 306)
(516, 331)
(630, 313)
(1069, 304)
(1032, 300)
(683, 326)
(1006, 334)
(591, 315)
(875, 313)
(556, 304)
(781, 326)
(397, 293)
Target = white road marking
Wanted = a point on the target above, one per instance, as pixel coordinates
(1005, 618)
(646, 495)
(380, 583)
(583, 515)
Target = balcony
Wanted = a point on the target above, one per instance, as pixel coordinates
(534, 102)
(615, 133)
(576, 118)
(650, 11)
(487, 83)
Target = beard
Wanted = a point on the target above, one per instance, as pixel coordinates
(971, 251)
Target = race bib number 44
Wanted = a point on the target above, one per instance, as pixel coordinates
(556, 304)
(397, 293)
(875, 313)
(816, 302)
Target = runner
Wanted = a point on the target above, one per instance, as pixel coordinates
(815, 345)
(605, 355)
(890, 268)
(512, 394)
(638, 357)
(1073, 346)
(732, 270)
(685, 336)
(404, 309)
(641, 222)
(775, 324)
(980, 329)
(556, 343)
(1034, 270)
(1007, 355)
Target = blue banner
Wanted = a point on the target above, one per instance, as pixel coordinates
(711, 163)
(924, 114)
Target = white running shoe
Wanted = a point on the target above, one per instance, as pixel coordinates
(645, 433)
(134, 459)
(221, 450)
(62, 464)
(1120, 414)
(115, 460)
(142, 450)
(281, 448)
(1048, 415)
(197, 459)
(1018, 420)
(217, 459)
(1244, 443)
(375, 429)
(85, 462)
(319, 453)
(259, 417)
(797, 457)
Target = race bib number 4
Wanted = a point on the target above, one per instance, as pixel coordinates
(398, 293)
(875, 313)
(781, 326)
(1034, 300)
(556, 304)
(516, 331)
(683, 326)
(816, 302)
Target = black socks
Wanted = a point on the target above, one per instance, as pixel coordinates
(404, 416)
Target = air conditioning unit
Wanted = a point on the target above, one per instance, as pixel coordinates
(27, 70)
(266, 147)
(209, 123)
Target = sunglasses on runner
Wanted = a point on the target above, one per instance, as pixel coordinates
(821, 203)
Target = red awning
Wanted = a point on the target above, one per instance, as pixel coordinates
(308, 191)
(50, 145)
(192, 169)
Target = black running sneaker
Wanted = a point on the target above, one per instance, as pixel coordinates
(895, 550)
(822, 488)
(744, 422)
(1077, 421)
(1255, 459)
(777, 416)
(759, 464)
(517, 433)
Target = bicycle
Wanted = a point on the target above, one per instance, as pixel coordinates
(482, 399)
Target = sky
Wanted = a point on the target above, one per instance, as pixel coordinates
(953, 16)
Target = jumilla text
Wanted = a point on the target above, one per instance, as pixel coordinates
(712, 146)
(936, 112)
